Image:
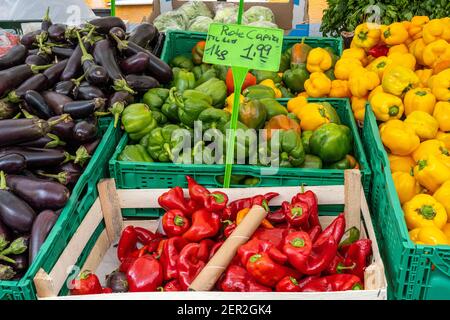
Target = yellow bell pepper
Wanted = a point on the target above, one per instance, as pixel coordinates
(319, 60)
(318, 85)
(440, 85)
(340, 89)
(431, 173)
(444, 137)
(405, 185)
(345, 66)
(424, 75)
(366, 35)
(442, 195)
(424, 211)
(398, 80)
(416, 49)
(419, 99)
(386, 106)
(379, 65)
(398, 137)
(359, 107)
(296, 103)
(403, 59)
(446, 230)
(401, 163)
(362, 81)
(440, 66)
(271, 84)
(424, 124)
(230, 101)
(394, 33)
(417, 23)
(442, 115)
(429, 235)
(355, 53)
(436, 52)
(312, 116)
(378, 89)
(303, 94)
(431, 147)
(398, 48)
(434, 30)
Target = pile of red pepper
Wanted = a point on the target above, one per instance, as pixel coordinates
(289, 251)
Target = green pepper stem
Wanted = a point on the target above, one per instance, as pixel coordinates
(427, 212)
(219, 198)
(293, 280)
(298, 242)
(341, 267)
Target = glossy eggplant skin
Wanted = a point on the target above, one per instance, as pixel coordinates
(64, 87)
(83, 108)
(14, 131)
(141, 83)
(37, 158)
(40, 194)
(37, 59)
(88, 92)
(12, 163)
(15, 56)
(117, 281)
(121, 96)
(38, 82)
(73, 66)
(118, 32)
(62, 52)
(95, 74)
(71, 171)
(21, 264)
(42, 226)
(57, 32)
(38, 105)
(56, 101)
(15, 213)
(63, 129)
(29, 38)
(13, 77)
(85, 131)
(47, 141)
(104, 56)
(143, 34)
(8, 110)
(135, 64)
(53, 73)
(104, 24)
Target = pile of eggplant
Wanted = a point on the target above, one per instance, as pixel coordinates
(54, 86)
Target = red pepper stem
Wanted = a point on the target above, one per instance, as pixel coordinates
(161, 289)
(293, 280)
(297, 212)
(298, 242)
(227, 222)
(255, 258)
(357, 286)
(265, 205)
(178, 221)
(340, 267)
(303, 188)
(219, 198)
(85, 274)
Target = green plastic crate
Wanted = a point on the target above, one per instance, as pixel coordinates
(15, 25)
(82, 197)
(413, 271)
(145, 175)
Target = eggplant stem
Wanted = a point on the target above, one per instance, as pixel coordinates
(101, 113)
(7, 259)
(121, 44)
(60, 177)
(122, 85)
(68, 158)
(86, 56)
(47, 15)
(82, 155)
(116, 110)
(56, 141)
(27, 114)
(3, 181)
(13, 97)
(62, 118)
(17, 116)
(36, 69)
(77, 82)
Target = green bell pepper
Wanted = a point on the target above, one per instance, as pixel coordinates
(160, 117)
(134, 153)
(273, 107)
(285, 92)
(160, 143)
(253, 114)
(183, 79)
(155, 97)
(348, 162)
(261, 75)
(294, 79)
(182, 62)
(334, 117)
(252, 181)
(170, 107)
(306, 136)
(331, 142)
(235, 179)
(203, 73)
(216, 89)
(291, 148)
(258, 92)
(239, 147)
(190, 108)
(312, 162)
(194, 94)
(285, 60)
(221, 71)
(212, 118)
(137, 119)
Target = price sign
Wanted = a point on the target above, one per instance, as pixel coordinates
(244, 46)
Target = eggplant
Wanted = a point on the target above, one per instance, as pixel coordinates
(42, 226)
(84, 108)
(5, 232)
(91, 146)
(32, 52)
(12, 163)
(48, 141)
(46, 21)
(57, 32)
(73, 66)
(95, 74)
(141, 83)
(55, 101)
(53, 73)
(29, 39)
(65, 87)
(21, 262)
(89, 92)
(67, 174)
(38, 157)
(38, 105)
(143, 34)
(117, 281)
(117, 103)
(38, 82)
(84, 131)
(118, 32)
(14, 212)
(38, 193)
(135, 64)
(104, 24)
(15, 56)
(13, 77)
(8, 110)
(63, 129)
(38, 59)
(62, 52)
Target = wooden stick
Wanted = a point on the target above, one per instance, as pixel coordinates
(352, 198)
(219, 262)
(44, 284)
(110, 203)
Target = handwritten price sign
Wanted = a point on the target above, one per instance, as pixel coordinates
(244, 46)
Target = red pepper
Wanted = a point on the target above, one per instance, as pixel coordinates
(310, 199)
(205, 224)
(153, 245)
(255, 246)
(229, 229)
(216, 201)
(237, 205)
(198, 51)
(144, 236)
(297, 214)
(276, 217)
(175, 223)
(237, 279)
(107, 290)
(307, 258)
(357, 254)
(205, 248)
(250, 80)
(338, 265)
(265, 270)
(86, 283)
(197, 192)
(145, 274)
(189, 265)
(335, 282)
(128, 261)
(379, 51)
(215, 248)
(171, 286)
(314, 233)
(174, 200)
(275, 236)
(287, 284)
(127, 242)
(169, 257)
(335, 230)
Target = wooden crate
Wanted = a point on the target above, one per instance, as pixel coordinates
(108, 207)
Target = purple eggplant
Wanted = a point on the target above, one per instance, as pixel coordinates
(88, 92)
(14, 212)
(57, 32)
(55, 101)
(38, 59)
(67, 174)
(13, 77)
(117, 103)
(5, 232)
(8, 110)
(65, 87)
(46, 21)
(95, 74)
(38, 193)
(38, 82)
(62, 52)
(20, 264)
(29, 39)
(12, 163)
(42, 226)
(38, 157)
(15, 56)
(64, 128)
(38, 105)
(104, 24)
(143, 34)
(85, 151)
(48, 141)
(53, 73)
(84, 108)
(84, 131)
(141, 83)
(118, 32)
(117, 281)
(135, 64)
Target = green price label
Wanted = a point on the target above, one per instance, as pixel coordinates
(244, 46)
